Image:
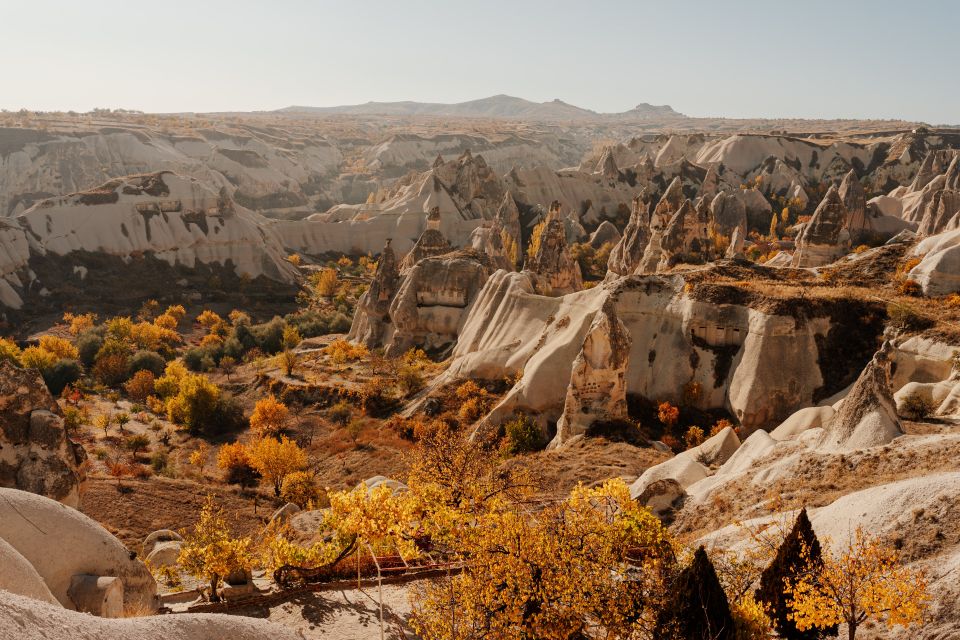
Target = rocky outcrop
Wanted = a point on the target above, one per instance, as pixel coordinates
(62, 543)
(556, 272)
(868, 416)
(372, 314)
(825, 238)
(669, 204)
(430, 243)
(626, 255)
(433, 300)
(597, 390)
(606, 233)
(686, 237)
(759, 366)
(855, 200)
(729, 213)
(133, 228)
(938, 272)
(36, 454)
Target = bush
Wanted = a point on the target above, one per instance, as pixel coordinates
(409, 379)
(269, 336)
(111, 369)
(300, 488)
(523, 435)
(693, 437)
(62, 373)
(147, 361)
(9, 351)
(910, 288)
(915, 407)
(160, 463)
(140, 386)
(340, 413)
(234, 460)
(906, 318)
(88, 346)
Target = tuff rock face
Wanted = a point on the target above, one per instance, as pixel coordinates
(669, 204)
(824, 238)
(868, 415)
(598, 389)
(729, 213)
(557, 273)
(373, 309)
(626, 255)
(686, 238)
(430, 303)
(35, 453)
(431, 242)
(855, 200)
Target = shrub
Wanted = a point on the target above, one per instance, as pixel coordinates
(88, 346)
(276, 459)
(9, 351)
(342, 351)
(111, 369)
(340, 413)
(136, 443)
(693, 437)
(62, 373)
(148, 361)
(523, 435)
(910, 288)
(409, 379)
(906, 318)
(195, 404)
(37, 358)
(140, 386)
(300, 488)
(668, 414)
(62, 349)
(721, 424)
(915, 407)
(234, 460)
(160, 463)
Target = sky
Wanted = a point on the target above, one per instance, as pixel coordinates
(778, 58)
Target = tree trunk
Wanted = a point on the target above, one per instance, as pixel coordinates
(851, 630)
(214, 596)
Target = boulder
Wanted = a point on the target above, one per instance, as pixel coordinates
(284, 513)
(165, 554)
(35, 453)
(682, 469)
(716, 449)
(97, 595)
(61, 542)
(867, 417)
(155, 538)
(661, 496)
(18, 576)
(938, 272)
(801, 421)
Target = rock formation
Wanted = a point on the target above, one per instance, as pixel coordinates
(557, 273)
(855, 201)
(626, 255)
(598, 389)
(868, 416)
(686, 237)
(824, 238)
(35, 453)
(606, 233)
(433, 299)
(372, 314)
(729, 212)
(431, 242)
(70, 552)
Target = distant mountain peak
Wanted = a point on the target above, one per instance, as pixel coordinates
(497, 106)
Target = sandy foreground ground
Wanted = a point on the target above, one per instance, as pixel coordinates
(342, 615)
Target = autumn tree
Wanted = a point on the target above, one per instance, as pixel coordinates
(269, 416)
(696, 607)
(287, 360)
(326, 283)
(275, 459)
(668, 414)
(137, 443)
(195, 402)
(799, 556)
(234, 460)
(140, 386)
(300, 488)
(200, 456)
(211, 552)
(866, 581)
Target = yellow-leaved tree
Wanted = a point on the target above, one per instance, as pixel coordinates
(866, 581)
(269, 416)
(275, 459)
(210, 551)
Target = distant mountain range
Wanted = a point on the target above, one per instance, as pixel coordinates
(500, 106)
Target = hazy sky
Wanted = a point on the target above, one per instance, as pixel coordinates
(777, 58)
